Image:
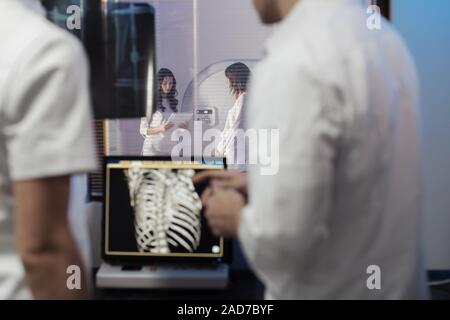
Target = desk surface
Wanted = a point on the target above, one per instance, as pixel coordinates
(243, 286)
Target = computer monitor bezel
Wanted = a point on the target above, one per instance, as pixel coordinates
(150, 260)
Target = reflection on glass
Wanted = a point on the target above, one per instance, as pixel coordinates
(120, 40)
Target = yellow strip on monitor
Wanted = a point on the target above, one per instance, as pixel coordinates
(164, 164)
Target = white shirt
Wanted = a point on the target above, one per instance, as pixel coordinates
(159, 143)
(45, 117)
(347, 194)
(226, 146)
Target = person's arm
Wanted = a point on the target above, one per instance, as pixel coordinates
(143, 128)
(155, 130)
(240, 104)
(43, 238)
(159, 129)
(48, 131)
(146, 129)
(224, 136)
(155, 127)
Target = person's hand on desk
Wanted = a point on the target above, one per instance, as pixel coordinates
(223, 209)
(227, 179)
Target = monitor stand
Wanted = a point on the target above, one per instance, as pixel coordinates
(163, 277)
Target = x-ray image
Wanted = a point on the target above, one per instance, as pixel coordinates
(119, 38)
(158, 211)
(166, 209)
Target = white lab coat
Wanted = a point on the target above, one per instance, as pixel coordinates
(160, 143)
(347, 194)
(227, 147)
(45, 117)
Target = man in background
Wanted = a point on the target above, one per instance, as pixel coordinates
(340, 220)
(45, 136)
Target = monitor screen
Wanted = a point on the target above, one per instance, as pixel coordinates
(153, 211)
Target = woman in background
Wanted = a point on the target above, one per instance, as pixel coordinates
(238, 75)
(159, 127)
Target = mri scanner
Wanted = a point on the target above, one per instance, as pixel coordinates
(208, 96)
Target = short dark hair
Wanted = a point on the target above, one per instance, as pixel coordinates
(239, 75)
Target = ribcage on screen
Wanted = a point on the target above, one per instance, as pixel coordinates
(166, 210)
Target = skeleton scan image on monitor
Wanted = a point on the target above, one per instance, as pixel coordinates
(153, 209)
(166, 209)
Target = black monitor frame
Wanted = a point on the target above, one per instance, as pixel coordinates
(152, 260)
(385, 6)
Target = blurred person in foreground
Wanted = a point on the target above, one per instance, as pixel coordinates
(345, 203)
(45, 136)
